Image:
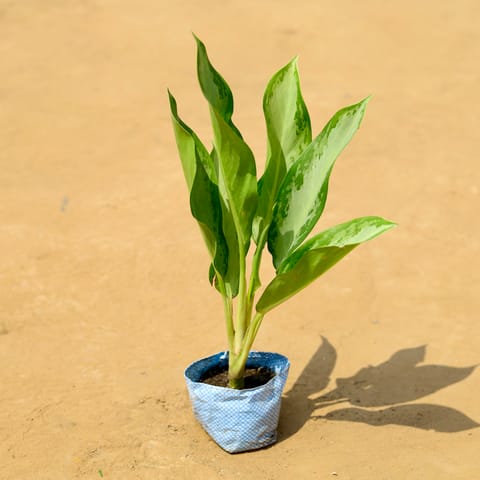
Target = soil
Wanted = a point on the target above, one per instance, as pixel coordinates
(254, 377)
(104, 293)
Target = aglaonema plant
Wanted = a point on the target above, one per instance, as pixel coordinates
(236, 212)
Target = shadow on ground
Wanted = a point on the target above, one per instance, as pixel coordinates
(378, 395)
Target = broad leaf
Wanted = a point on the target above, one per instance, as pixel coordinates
(316, 256)
(231, 238)
(288, 132)
(205, 202)
(237, 177)
(214, 88)
(236, 164)
(302, 195)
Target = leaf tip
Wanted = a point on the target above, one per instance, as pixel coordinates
(172, 101)
(197, 40)
(384, 221)
(388, 225)
(390, 222)
(367, 99)
(291, 65)
(201, 48)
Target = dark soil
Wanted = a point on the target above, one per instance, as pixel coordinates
(254, 377)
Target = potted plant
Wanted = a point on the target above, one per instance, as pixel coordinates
(237, 213)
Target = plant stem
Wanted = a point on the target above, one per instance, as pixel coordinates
(228, 308)
(237, 366)
(237, 383)
(241, 322)
(245, 328)
(255, 283)
(251, 335)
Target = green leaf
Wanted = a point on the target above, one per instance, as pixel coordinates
(230, 233)
(206, 209)
(205, 201)
(235, 162)
(237, 177)
(316, 256)
(286, 115)
(303, 193)
(289, 133)
(189, 147)
(214, 88)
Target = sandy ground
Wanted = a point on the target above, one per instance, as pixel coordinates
(103, 291)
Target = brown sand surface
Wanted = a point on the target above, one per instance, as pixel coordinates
(103, 292)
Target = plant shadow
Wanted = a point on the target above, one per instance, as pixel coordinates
(378, 395)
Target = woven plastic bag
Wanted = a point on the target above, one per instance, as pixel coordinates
(238, 420)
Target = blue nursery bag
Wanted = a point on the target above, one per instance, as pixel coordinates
(238, 420)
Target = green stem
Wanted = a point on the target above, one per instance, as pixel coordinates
(246, 329)
(237, 383)
(241, 322)
(255, 283)
(228, 309)
(237, 367)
